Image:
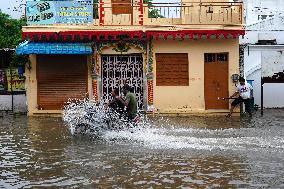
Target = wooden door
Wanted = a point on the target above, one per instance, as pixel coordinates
(216, 80)
(60, 77)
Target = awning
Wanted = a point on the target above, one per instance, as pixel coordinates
(54, 48)
(156, 34)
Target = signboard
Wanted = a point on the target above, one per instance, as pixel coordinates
(59, 12)
(14, 79)
(74, 13)
(273, 66)
(40, 12)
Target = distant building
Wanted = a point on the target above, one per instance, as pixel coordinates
(258, 10)
(178, 58)
(264, 33)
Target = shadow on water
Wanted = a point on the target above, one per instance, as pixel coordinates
(195, 152)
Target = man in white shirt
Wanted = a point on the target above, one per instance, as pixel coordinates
(244, 92)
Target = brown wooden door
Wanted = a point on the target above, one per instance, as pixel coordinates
(60, 77)
(216, 80)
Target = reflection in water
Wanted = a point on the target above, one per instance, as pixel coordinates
(170, 171)
(194, 152)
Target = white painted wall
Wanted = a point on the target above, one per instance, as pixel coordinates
(255, 8)
(273, 93)
(20, 104)
(260, 28)
(252, 37)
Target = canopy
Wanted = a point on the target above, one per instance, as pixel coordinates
(54, 48)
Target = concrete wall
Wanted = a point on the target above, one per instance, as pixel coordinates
(183, 99)
(252, 37)
(20, 103)
(273, 93)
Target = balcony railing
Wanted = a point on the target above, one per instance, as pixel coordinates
(154, 14)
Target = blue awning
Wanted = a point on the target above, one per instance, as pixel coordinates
(54, 48)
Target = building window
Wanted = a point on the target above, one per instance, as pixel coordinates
(172, 69)
(121, 7)
(210, 57)
(215, 57)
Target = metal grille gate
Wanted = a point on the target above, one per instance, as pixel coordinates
(116, 69)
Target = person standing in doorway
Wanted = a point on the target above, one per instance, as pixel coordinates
(244, 92)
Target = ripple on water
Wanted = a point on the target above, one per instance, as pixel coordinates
(40, 152)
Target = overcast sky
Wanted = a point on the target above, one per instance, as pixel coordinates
(7, 6)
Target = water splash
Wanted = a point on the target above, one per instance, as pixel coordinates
(89, 117)
(93, 118)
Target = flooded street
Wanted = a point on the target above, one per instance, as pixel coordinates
(192, 152)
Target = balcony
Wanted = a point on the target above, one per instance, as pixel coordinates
(84, 16)
(136, 14)
(159, 14)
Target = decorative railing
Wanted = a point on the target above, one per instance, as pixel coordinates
(135, 14)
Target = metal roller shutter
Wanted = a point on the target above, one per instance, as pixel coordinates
(60, 77)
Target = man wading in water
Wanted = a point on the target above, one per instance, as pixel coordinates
(130, 102)
(243, 90)
(116, 104)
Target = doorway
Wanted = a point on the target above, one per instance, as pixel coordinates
(60, 77)
(117, 69)
(216, 67)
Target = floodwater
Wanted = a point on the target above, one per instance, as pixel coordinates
(183, 152)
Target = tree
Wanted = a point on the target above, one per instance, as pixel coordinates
(11, 36)
(10, 31)
(153, 12)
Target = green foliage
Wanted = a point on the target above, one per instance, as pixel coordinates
(11, 36)
(153, 12)
(10, 31)
(19, 60)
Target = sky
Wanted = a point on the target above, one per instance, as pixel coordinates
(7, 6)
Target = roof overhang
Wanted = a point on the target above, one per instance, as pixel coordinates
(26, 48)
(106, 35)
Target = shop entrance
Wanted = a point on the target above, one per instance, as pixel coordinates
(117, 69)
(60, 77)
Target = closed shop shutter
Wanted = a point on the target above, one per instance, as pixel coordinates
(60, 77)
(172, 69)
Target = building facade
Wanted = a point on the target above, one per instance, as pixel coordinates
(177, 57)
(264, 40)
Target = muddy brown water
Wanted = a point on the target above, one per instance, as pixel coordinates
(180, 152)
